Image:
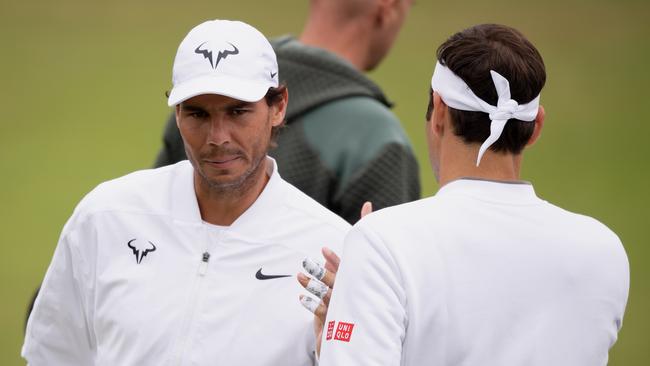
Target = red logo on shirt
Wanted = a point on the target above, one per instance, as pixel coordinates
(343, 332)
(330, 330)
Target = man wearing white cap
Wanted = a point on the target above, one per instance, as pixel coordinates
(484, 272)
(333, 106)
(192, 264)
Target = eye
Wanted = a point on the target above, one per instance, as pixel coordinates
(198, 114)
(238, 111)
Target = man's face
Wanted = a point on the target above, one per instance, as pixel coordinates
(226, 139)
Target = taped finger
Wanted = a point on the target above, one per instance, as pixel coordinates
(309, 303)
(314, 268)
(317, 288)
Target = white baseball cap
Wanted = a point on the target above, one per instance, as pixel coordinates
(223, 57)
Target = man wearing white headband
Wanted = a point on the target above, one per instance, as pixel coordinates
(192, 264)
(484, 272)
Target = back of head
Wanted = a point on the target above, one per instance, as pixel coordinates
(471, 54)
(340, 11)
(360, 31)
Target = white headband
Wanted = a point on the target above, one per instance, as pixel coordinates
(456, 94)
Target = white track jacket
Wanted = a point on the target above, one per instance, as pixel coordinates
(138, 279)
(483, 273)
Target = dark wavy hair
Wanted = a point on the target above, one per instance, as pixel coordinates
(274, 96)
(471, 54)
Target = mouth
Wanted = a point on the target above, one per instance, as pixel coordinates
(223, 161)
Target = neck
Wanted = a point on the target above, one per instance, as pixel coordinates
(343, 40)
(222, 206)
(461, 163)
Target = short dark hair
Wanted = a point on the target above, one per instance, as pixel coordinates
(274, 96)
(471, 54)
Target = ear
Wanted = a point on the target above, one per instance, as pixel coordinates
(439, 116)
(279, 110)
(384, 9)
(539, 123)
(177, 111)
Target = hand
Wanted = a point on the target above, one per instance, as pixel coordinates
(321, 285)
(366, 209)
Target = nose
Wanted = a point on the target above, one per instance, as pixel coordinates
(219, 133)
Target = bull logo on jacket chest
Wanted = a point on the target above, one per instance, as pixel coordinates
(141, 248)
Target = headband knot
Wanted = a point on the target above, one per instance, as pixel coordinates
(456, 94)
(505, 110)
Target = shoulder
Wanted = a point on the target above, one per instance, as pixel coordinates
(403, 217)
(295, 221)
(141, 191)
(391, 235)
(397, 226)
(359, 117)
(351, 132)
(583, 226)
(313, 213)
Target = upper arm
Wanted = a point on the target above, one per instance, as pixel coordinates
(351, 132)
(364, 145)
(59, 330)
(367, 312)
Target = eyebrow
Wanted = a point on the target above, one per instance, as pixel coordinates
(192, 108)
(236, 104)
(239, 104)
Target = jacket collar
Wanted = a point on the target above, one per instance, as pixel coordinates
(185, 207)
(516, 193)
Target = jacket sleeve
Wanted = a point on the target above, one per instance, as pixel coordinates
(366, 148)
(366, 320)
(58, 330)
(173, 149)
(390, 178)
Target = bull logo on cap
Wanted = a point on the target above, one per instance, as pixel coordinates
(206, 49)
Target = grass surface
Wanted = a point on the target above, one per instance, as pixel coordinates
(82, 102)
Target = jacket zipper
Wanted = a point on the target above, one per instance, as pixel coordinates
(203, 267)
(189, 318)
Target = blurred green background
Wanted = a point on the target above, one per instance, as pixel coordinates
(82, 100)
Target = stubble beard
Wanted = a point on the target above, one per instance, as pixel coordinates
(241, 184)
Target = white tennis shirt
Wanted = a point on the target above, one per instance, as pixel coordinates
(138, 279)
(483, 273)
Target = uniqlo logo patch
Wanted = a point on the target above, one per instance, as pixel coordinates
(343, 332)
(330, 330)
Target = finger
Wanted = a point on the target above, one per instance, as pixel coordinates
(330, 267)
(314, 286)
(317, 288)
(314, 268)
(303, 279)
(309, 303)
(326, 299)
(366, 208)
(319, 272)
(332, 260)
(318, 308)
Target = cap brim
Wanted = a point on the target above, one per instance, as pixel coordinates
(239, 89)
